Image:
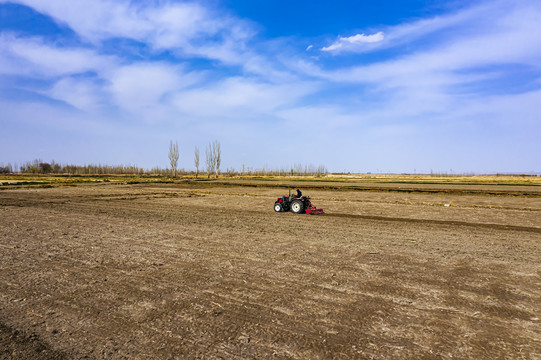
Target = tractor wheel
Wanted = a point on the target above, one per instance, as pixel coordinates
(277, 207)
(297, 207)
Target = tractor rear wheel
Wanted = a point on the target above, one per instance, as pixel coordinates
(277, 207)
(297, 207)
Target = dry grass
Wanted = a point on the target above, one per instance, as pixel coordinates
(58, 180)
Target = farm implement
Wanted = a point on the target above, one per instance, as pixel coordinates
(297, 203)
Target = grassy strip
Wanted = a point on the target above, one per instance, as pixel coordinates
(306, 183)
(500, 181)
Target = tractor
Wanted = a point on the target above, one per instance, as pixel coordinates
(297, 203)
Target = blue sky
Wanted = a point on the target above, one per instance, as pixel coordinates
(388, 86)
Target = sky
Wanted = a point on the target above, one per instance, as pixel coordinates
(388, 86)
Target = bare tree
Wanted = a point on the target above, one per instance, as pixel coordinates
(209, 155)
(217, 156)
(173, 156)
(196, 161)
(213, 154)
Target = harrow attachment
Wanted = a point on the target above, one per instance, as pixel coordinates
(312, 210)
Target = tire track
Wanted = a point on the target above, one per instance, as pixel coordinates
(437, 222)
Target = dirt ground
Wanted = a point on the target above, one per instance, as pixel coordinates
(174, 271)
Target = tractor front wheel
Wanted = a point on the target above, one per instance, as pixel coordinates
(297, 206)
(277, 207)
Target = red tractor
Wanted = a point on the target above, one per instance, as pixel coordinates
(296, 203)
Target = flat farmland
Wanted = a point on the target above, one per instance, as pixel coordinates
(209, 270)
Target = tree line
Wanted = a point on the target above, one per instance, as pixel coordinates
(211, 167)
(39, 166)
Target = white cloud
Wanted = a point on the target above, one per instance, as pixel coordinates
(31, 56)
(94, 20)
(102, 19)
(466, 21)
(145, 86)
(362, 38)
(353, 42)
(81, 93)
(241, 98)
(445, 64)
(175, 25)
(142, 89)
(468, 54)
(186, 27)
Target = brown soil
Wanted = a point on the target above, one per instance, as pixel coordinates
(197, 271)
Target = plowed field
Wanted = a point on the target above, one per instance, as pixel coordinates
(209, 270)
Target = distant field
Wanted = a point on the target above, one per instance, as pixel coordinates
(399, 267)
(26, 179)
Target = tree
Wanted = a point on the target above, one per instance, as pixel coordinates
(6, 169)
(173, 156)
(45, 168)
(217, 156)
(196, 161)
(209, 157)
(213, 155)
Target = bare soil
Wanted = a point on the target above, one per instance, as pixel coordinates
(209, 270)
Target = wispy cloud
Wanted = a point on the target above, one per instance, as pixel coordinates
(186, 27)
(142, 86)
(238, 97)
(82, 93)
(32, 56)
(447, 27)
(354, 42)
(466, 55)
(477, 53)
